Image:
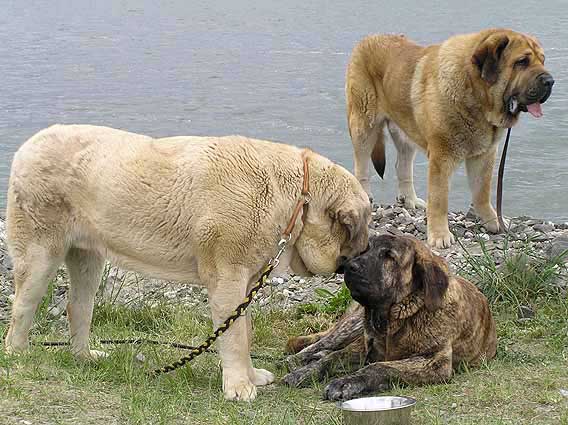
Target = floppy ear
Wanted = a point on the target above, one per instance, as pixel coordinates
(350, 218)
(431, 274)
(487, 56)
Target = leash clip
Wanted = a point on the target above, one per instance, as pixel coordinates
(282, 247)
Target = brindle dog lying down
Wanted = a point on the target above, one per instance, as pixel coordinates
(414, 323)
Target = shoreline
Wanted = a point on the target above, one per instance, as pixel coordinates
(546, 238)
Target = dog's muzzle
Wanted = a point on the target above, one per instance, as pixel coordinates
(545, 83)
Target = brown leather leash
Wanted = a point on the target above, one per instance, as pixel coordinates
(500, 182)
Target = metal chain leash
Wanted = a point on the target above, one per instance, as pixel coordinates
(239, 311)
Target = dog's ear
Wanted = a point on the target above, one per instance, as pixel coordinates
(431, 274)
(488, 54)
(349, 218)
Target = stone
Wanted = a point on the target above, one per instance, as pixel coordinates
(170, 294)
(525, 312)
(140, 358)
(544, 228)
(389, 213)
(558, 246)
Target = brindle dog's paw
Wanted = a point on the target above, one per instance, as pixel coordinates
(345, 388)
(303, 376)
(301, 359)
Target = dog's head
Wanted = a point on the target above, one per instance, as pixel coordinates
(393, 268)
(509, 69)
(337, 222)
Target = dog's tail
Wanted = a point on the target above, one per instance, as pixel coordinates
(378, 156)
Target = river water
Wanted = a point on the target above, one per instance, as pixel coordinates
(271, 69)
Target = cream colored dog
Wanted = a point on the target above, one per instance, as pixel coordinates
(203, 209)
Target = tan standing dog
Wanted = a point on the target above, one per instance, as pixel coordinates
(452, 100)
(204, 209)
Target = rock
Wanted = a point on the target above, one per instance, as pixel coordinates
(558, 247)
(544, 228)
(389, 213)
(54, 312)
(525, 312)
(170, 294)
(564, 392)
(140, 358)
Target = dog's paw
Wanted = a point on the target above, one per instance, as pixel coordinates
(239, 389)
(345, 388)
(440, 240)
(261, 377)
(411, 202)
(91, 355)
(12, 351)
(493, 226)
(303, 376)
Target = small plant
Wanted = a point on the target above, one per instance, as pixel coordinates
(328, 302)
(523, 276)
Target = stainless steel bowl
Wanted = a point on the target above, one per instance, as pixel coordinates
(385, 410)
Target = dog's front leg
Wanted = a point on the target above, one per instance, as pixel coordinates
(346, 360)
(423, 369)
(440, 169)
(347, 329)
(239, 377)
(479, 173)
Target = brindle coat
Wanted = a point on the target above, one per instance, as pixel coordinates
(414, 323)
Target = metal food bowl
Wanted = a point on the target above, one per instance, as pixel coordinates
(385, 410)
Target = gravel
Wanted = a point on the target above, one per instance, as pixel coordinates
(547, 238)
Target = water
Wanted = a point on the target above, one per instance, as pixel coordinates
(271, 69)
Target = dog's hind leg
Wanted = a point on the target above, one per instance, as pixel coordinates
(85, 270)
(406, 152)
(368, 144)
(35, 265)
(421, 369)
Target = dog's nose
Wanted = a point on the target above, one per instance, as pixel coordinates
(351, 267)
(546, 80)
(341, 261)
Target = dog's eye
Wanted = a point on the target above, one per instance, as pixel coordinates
(523, 62)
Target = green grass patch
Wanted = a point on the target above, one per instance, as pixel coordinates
(520, 386)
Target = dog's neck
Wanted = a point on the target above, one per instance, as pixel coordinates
(406, 308)
(389, 320)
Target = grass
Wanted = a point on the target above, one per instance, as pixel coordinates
(521, 386)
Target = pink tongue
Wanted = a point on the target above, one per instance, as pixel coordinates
(535, 110)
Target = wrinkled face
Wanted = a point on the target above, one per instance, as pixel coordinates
(511, 67)
(332, 232)
(393, 268)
